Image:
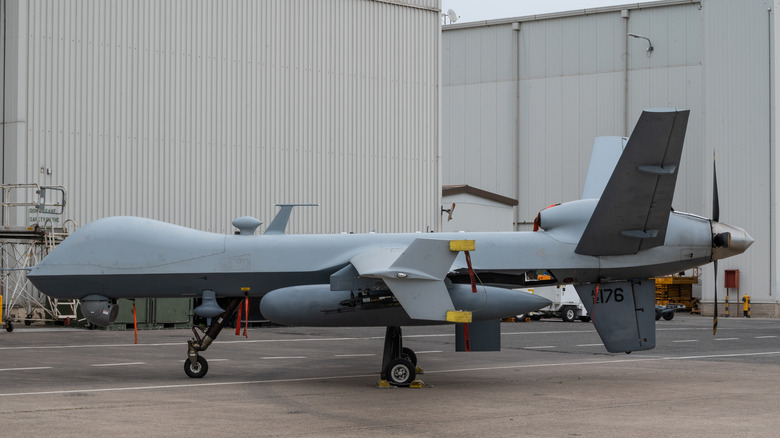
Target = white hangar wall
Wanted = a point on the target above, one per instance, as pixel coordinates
(532, 94)
(523, 99)
(197, 112)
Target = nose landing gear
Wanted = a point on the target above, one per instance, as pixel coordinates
(196, 366)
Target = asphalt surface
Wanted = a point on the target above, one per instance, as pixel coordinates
(551, 379)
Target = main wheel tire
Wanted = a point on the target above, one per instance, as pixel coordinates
(9, 326)
(196, 371)
(410, 355)
(568, 314)
(585, 318)
(657, 314)
(400, 372)
(668, 316)
(536, 317)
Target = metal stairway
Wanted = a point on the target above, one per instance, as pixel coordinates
(32, 226)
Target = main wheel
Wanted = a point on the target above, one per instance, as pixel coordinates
(668, 316)
(410, 355)
(9, 326)
(198, 370)
(568, 314)
(400, 372)
(657, 314)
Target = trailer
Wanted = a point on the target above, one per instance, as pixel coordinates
(667, 312)
(566, 304)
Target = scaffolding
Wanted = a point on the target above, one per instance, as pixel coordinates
(678, 289)
(32, 225)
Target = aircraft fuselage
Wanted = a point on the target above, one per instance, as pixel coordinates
(129, 257)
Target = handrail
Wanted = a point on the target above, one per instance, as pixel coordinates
(40, 203)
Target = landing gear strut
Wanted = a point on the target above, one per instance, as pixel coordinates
(399, 364)
(196, 366)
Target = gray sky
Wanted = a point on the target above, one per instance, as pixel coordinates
(480, 10)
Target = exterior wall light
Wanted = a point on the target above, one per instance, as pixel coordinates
(649, 43)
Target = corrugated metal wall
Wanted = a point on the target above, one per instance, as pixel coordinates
(532, 96)
(571, 90)
(478, 108)
(197, 112)
(737, 88)
(529, 95)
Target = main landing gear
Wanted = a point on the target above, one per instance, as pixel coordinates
(399, 364)
(196, 366)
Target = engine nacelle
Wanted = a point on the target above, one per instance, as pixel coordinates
(99, 310)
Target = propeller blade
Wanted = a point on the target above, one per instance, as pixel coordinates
(716, 218)
(715, 203)
(715, 301)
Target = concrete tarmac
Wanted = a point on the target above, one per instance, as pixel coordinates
(551, 379)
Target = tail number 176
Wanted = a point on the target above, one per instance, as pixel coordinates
(605, 295)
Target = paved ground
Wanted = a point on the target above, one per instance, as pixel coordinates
(551, 379)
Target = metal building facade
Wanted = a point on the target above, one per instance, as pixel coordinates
(197, 112)
(523, 99)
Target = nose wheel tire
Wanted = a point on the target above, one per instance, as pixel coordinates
(198, 370)
(400, 372)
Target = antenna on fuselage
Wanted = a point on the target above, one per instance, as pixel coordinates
(279, 224)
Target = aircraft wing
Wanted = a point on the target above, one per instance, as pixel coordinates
(414, 274)
(633, 211)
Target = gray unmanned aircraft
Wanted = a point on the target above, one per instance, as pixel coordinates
(608, 244)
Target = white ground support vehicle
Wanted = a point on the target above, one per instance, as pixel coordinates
(566, 304)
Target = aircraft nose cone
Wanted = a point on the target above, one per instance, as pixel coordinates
(728, 240)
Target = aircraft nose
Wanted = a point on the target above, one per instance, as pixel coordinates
(728, 240)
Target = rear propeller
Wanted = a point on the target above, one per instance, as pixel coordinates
(716, 218)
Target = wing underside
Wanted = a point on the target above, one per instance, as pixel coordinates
(415, 276)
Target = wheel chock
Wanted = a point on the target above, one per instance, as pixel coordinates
(419, 384)
(384, 384)
(416, 384)
(419, 370)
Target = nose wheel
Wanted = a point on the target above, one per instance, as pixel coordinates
(198, 369)
(196, 366)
